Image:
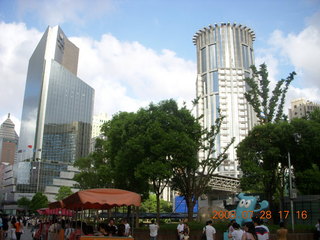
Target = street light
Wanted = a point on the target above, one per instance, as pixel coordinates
(297, 137)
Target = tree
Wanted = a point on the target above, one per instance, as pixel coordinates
(24, 203)
(263, 157)
(95, 171)
(145, 142)
(150, 205)
(192, 175)
(63, 192)
(308, 181)
(39, 200)
(125, 152)
(267, 108)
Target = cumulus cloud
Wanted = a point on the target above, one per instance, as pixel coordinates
(125, 75)
(65, 10)
(302, 51)
(16, 46)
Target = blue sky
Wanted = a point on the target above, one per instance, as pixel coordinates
(136, 51)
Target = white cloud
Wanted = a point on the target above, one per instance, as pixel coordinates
(128, 75)
(125, 75)
(61, 11)
(16, 46)
(300, 50)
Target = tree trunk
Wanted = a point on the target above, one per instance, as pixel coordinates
(190, 206)
(158, 207)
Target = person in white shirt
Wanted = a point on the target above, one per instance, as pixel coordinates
(237, 233)
(209, 230)
(153, 227)
(180, 229)
(127, 228)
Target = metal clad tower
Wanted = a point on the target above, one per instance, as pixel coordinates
(224, 57)
(57, 114)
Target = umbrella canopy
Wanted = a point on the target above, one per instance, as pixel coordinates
(57, 204)
(101, 198)
(55, 211)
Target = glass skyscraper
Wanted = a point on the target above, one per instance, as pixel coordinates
(224, 56)
(57, 114)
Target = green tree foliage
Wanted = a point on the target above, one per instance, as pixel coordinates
(263, 156)
(143, 146)
(24, 203)
(267, 106)
(63, 192)
(38, 201)
(308, 181)
(150, 205)
(95, 171)
(125, 152)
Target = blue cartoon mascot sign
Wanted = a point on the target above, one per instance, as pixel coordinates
(247, 208)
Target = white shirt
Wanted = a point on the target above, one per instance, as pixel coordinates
(262, 232)
(153, 230)
(209, 232)
(180, 227)
(127, 229)
(237, 234)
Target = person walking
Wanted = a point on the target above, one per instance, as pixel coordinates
(317, 230)
(282, 232)
(153, 227)
(209, 231)
(237, 233)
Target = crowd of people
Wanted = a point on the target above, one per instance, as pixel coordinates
(11, 228)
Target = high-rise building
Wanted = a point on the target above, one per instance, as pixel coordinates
(301, 108)
(56, 116)
(8, 141)
(224, 57)
(8, 146)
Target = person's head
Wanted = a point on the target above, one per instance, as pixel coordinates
(281, 224)
(235, 225)
(256, 220)
(111, 221)
(152, 221)
(209, 222)
(250, 228)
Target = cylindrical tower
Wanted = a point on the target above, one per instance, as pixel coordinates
(224, 57)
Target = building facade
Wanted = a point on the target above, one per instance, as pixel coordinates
(224, 56)
(56, 116)
(301, 108)
(8, 142)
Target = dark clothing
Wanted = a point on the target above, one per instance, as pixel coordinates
(121, 230)
(111, 230)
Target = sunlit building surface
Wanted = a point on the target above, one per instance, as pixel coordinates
(224, 57)
(8, 141)
(301, 108)
(56, 117)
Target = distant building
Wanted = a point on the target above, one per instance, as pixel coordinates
(8, 141)
(97, 122)
(8, 146)
(301, 108)
(224, 56)
(56, 116)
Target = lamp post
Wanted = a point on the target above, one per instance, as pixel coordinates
(297, 137)
(290, 192)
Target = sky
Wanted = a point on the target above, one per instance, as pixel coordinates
(133, 52)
